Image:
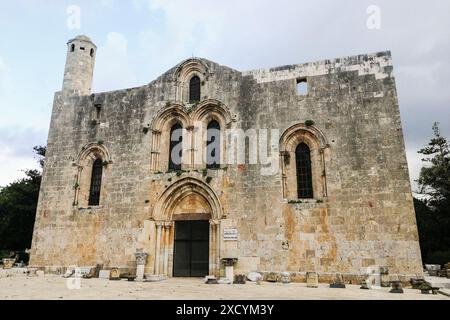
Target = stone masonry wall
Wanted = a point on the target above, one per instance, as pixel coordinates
(366, 219)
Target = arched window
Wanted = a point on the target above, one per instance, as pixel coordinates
(72, 48)
(213, 145)
(96, 183)
(194, 89)
(304, 171)
(92, 53)
(176, 147)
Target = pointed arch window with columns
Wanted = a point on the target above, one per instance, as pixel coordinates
(93, 164)
(304, 153)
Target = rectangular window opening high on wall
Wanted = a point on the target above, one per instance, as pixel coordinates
(302, 87)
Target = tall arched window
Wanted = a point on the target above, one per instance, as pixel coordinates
(194, 89)
(96, 183)
(213, 145)
(176, 147)
(304, 172)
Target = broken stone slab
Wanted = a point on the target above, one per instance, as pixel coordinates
(239, 279)
(312, 280)
(438, 282)
(8, 263)
(338, 282)
(154, 278)
(69, 273)
(254, 276)
(396, 287)
(433, 269)
(104, 274)
(285, 277)
(211, 280)
(272, 277)
(416, 282)
(364, 285)
(224, 281)
(425, 288)
(93, 272)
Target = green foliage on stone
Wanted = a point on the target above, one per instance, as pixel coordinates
(309, 123)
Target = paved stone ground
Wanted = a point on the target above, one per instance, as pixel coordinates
(55, 288)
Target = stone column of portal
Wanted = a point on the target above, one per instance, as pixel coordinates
(166, 249)
(218, 239)
(157, 249)
(141, 258)
(161, 249)
(212, 265)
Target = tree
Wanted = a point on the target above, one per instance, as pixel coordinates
(433, 211)
(18, 203)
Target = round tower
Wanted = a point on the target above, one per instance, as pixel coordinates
(80, 63)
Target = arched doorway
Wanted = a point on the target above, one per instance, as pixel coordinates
(187, 218)
(191, 236)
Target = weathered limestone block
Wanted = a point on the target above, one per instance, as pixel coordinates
(8, 263)
(312, 280)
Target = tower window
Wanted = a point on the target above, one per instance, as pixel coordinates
(176, 147)
(304, 172)
(92, 53)
(98, 111)
(72, 47)
(96, 183)
(302, 87)
(82, 48)
(194, 89)
(213, 145)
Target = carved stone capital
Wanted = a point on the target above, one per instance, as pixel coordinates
(141, 258)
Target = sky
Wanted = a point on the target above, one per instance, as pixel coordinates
(140, 39)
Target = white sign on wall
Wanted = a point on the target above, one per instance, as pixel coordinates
(230, 235)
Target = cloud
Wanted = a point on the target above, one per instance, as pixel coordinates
(113, 69)
(4, 78)
(17, 154)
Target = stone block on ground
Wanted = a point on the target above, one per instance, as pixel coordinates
(285, 277)
(104, 274)
(254, 276)
(239, 279)
(312, 280)
(211, 280)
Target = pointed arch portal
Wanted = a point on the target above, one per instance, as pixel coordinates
(187, 221)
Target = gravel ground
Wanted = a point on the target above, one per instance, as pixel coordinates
(57, 288)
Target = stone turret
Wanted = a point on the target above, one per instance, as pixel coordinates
(80, 63)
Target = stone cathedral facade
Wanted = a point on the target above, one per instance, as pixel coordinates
(338, 201)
